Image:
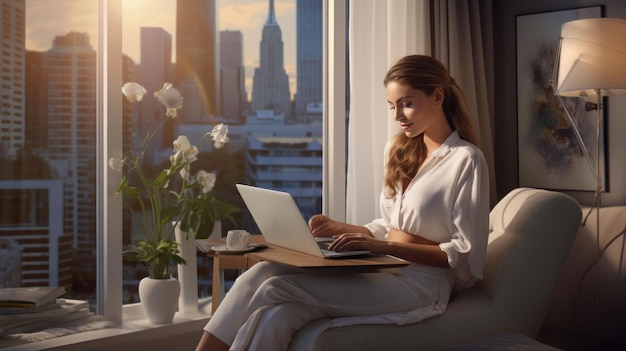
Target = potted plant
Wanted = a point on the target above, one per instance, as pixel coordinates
(163, 199)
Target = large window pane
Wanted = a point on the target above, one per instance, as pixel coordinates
(47, 145)
(259, 71)
(255, 65)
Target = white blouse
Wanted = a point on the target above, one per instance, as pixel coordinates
(447, 202)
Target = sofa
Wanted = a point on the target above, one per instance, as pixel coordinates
(531, 233)
(591, 294)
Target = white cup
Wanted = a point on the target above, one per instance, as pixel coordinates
(238, 239)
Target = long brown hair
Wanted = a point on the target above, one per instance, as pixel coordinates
(425, 73)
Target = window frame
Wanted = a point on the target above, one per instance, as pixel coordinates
(109, 144)
(334, 111)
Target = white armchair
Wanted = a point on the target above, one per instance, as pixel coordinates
(531, 233)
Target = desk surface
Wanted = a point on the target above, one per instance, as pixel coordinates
(277, 254)
(293, 258)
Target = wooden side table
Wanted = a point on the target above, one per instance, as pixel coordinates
(222, 262)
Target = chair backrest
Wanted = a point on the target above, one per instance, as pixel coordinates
(531, 233)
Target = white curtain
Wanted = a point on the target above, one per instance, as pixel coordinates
(380, 33)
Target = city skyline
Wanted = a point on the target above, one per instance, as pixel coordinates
(56, 118)
(247, 16)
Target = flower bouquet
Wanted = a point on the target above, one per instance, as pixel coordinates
(161, 199)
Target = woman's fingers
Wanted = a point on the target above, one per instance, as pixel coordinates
(349, 241)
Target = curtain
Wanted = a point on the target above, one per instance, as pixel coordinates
(380, 33)
(462, 32)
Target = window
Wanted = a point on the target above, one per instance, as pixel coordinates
(52, 123)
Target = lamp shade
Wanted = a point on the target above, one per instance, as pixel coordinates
(592, 56)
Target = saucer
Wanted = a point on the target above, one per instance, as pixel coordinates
(223, 249)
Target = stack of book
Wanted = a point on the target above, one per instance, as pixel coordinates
(31, 309)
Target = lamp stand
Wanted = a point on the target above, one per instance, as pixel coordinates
(597, 202)
(597, 198)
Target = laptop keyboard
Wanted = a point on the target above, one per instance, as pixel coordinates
(324, 245)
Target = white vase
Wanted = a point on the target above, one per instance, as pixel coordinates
(216, 234)
(159, 299)
(187, 274)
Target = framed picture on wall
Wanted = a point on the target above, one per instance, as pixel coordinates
(549, 154)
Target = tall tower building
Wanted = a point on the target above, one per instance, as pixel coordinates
(197, 66)
(12, 31)
(156, 58)
(233, 92)
(270, 87)
(308, 55)
(36, 100)
(72, 132)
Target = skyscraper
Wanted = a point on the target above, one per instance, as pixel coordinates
(36, 107)
(156, 59)
(12, 64)
(232, 78)
(197, 61)
(71, 73)
(270, 89)
(308, 55)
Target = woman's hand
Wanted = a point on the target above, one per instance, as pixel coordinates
(403, 245)
(357, 241)
(323, 226)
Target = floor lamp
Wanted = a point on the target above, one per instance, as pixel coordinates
(591, 62)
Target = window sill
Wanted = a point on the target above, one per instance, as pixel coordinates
(135, 330)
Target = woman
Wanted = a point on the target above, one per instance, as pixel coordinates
(434, 213)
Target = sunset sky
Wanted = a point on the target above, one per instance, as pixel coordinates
(46, 19)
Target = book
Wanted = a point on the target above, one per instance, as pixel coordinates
(65, 310)
(52, 309)
(29, 297)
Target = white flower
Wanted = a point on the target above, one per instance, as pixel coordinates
(184, 150)
(207, 180)
(191, 154)
(171, 98)
(181, 143)
(116, 164)
(219, 135)
(133, 91)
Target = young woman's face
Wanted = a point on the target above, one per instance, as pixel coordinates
(413, 109)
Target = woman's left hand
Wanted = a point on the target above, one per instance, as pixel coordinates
(357, 241)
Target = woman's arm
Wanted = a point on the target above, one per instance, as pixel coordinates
(403, 245)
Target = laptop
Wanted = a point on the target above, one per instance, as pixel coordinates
(281, 223)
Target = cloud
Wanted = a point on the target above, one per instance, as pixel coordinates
(47, 19)
(251, 15)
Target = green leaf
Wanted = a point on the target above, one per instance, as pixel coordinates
(168, 214)
(162, 178)
(131, 192)
(123, 184)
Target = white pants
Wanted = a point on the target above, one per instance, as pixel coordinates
(270, 302)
